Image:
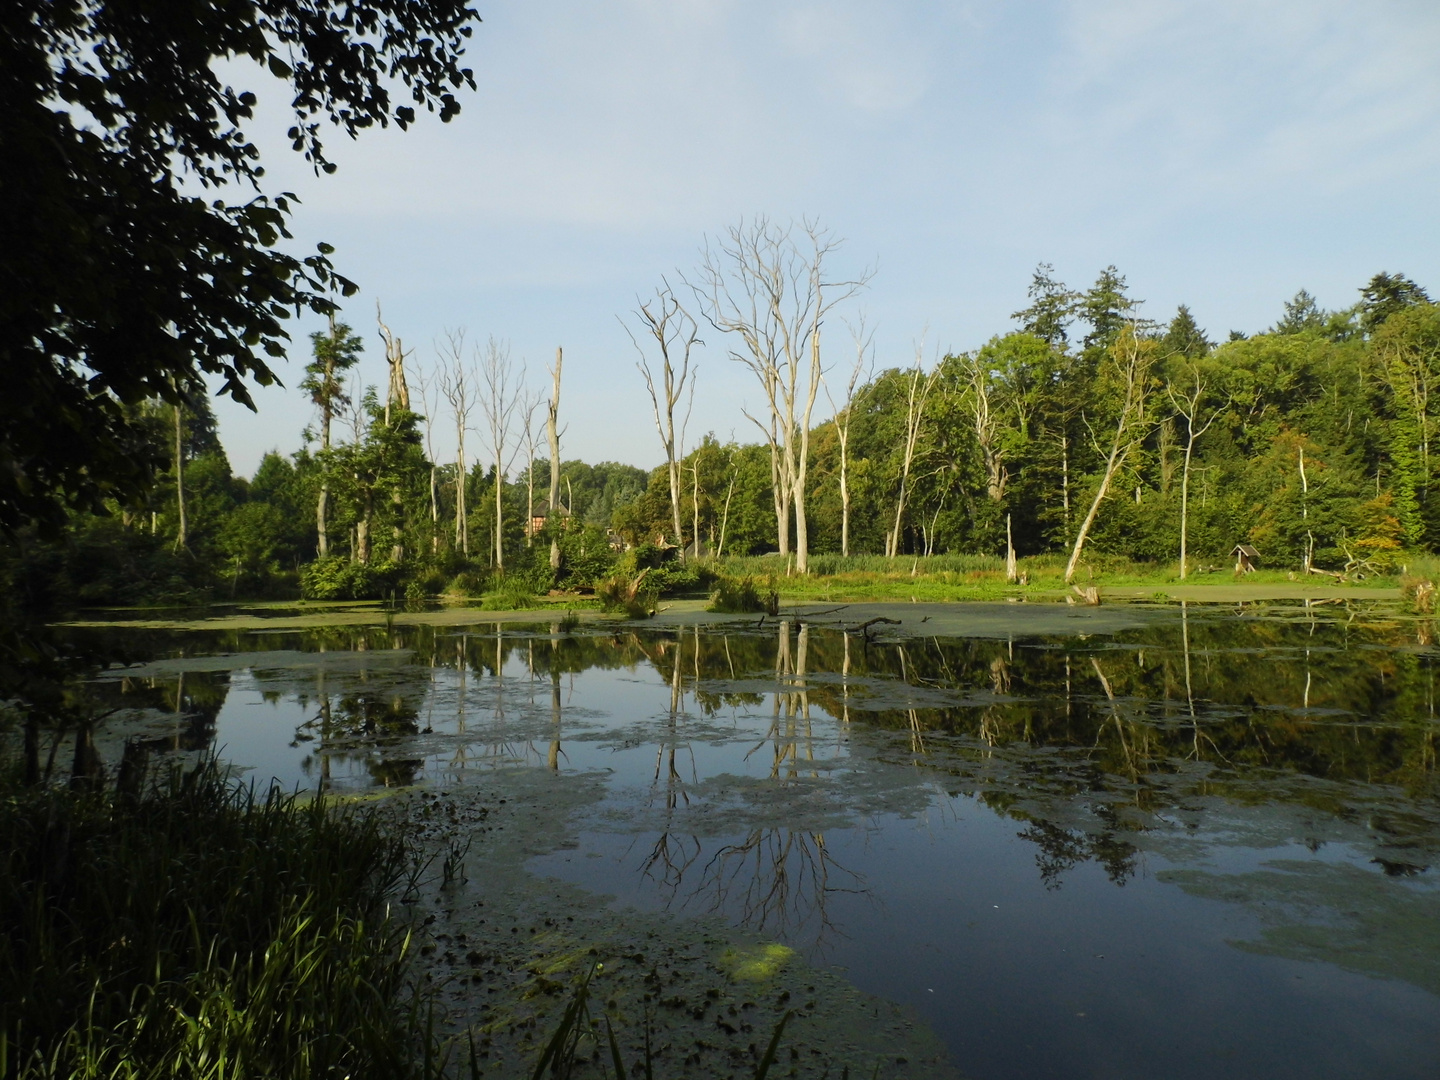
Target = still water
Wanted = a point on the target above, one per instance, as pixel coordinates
(1199, 843)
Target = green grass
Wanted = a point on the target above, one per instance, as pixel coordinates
(982, 577)
(199, 930)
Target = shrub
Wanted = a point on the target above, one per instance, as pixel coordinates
(742, 596)
(585, 557)
(510, 594)
(196, 929)
(467, 583)
(677, 577)
(630, 595)
(337, 578)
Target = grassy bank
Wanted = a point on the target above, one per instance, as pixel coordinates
(859, 578)
(194, 929)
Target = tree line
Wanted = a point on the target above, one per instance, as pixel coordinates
(1085, 428)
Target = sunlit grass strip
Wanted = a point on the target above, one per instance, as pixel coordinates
(978, 577)
(198, 930)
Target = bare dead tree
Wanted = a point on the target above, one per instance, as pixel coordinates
(1126, 368)
(864, 363)
(917, 393)
(986, 400)
(357, 416)
(500, 401)
(668, 327)
(457, 385)
(766, 284)
(398, 393)
(725, 517)
(430, 400)
(1187, 405)
(530, 402)
(552, 432)
(397, 396)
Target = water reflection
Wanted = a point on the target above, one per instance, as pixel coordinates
(1195, 704)
(871, 797)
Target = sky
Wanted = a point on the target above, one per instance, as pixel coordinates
(1221, 153)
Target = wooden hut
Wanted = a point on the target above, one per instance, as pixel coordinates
(1245, 558)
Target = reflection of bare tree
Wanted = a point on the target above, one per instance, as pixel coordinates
(461, 756)
(672, 855)
(778, 881)
(790, 723)
(553, 760)
(1197, 735)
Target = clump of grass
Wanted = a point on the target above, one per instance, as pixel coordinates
(742, 596)
(1420, 592)
(629, 595)
(510, 594)
(194, 928)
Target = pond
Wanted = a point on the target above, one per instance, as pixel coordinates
(1143, 840)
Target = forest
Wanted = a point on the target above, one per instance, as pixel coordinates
(1083, 430)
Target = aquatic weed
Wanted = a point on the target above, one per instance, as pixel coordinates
(203, 929)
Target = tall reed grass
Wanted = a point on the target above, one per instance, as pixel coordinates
(197, 929)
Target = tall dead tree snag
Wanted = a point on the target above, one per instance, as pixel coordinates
(398, 393)
(864, 357)
(1187, 401)
(766, 284)
(666, 325)
(503, 390)
(917, 394)
(431, 403)
(397, 398)
(552, 433)
(457, 385)
(1126, 369)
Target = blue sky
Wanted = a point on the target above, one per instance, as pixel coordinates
(1222, 154)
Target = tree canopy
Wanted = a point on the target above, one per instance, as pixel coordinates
(125, 275)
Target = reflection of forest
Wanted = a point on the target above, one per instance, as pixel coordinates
(776, 878)
(1251, 708)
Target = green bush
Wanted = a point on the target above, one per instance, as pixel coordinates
(678, 578)
(586, 557)
(511, 593)
(630, 595)
(468, 583)
(337, 578)
(742, 596)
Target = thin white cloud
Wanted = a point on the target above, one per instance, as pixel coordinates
(1222, 152)
(861, 54)
(1243, 98)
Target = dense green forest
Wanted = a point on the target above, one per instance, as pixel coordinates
(1309, 441)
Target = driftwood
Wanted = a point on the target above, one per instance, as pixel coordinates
(864, 628)
(1090, 594)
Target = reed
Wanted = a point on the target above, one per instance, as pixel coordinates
(197, 928)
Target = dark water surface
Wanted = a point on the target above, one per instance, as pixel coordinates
(1206, 845)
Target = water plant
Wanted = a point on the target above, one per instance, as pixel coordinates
(199, 928)
(561, 1054)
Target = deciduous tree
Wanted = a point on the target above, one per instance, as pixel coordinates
(141, 249)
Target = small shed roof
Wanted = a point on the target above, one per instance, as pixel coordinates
(1246, 550)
